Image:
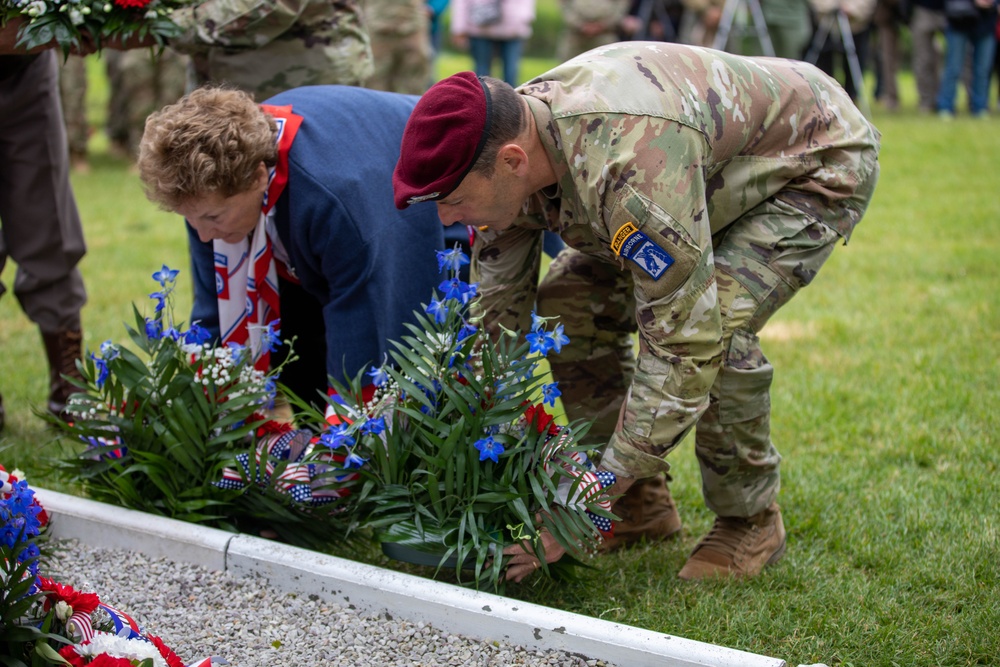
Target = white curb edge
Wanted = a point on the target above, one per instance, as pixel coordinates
(374, 590)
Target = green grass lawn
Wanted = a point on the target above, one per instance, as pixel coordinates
(886, 409)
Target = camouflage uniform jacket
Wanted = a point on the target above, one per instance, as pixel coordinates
(606, 12)
(268, 46)
(680, 142)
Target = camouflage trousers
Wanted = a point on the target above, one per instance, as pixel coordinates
(73, 92)
(762, 260)
(141, 82)
(402, 62)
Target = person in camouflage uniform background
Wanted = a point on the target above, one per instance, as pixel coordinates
(401, 45)
(73, 95)
(268, 47)
(697, 191)
(140, 82)
(588, 24)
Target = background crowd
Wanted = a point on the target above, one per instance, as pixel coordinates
(947, 43)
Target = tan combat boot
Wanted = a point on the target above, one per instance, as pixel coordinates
(738, 547)
(647, 512)
(63, 349)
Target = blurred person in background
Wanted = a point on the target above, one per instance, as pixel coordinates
(927, 21)
(588, 24)
(401, 45)
(493, 28)
(971, 23)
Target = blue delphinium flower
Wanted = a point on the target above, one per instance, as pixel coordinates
(537, 322)
(161, 299)
(102, 370)
(373, 426)
(540, 342)
(18, 515)
(271, 391)
(337, 436)
(452, 259)
(438, 310)
(558, 338)
(378, 375)
(270, 338)
(489, 449)
(550, 392)
(154, 330)
(466, 331)
(237, 351)
(197, 335)
(165, 275)
(109, 350)
(354, 461)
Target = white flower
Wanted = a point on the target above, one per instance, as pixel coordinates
(75, 17)
(63, 611)
(120, 647)
(36, 8)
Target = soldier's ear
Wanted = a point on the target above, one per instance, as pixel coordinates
(513, 158)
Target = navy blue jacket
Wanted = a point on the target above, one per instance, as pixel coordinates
(368, 264)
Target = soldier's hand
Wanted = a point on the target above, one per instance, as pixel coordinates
(523, 560)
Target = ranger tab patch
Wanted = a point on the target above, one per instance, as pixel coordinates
(629, 242)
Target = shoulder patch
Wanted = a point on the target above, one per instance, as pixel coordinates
(629, 242)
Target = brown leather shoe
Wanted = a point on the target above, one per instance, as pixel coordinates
(647, 513)
(738, 547)
(63, 349)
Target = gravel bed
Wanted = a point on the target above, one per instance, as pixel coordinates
(200, 612)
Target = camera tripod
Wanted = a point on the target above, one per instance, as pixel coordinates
(740, 8)
(838, 21)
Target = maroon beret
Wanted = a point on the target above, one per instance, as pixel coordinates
(442, 139)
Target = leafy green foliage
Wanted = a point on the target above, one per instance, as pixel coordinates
(460, 461)
(164, 419)
(74, 24)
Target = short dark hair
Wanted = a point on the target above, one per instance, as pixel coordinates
(509, 118)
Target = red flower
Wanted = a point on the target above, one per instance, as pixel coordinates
(105, 660)
(168, 655)
(80, 602)
(70, 655)
(542, 420)
(271, 426)
(132, 4)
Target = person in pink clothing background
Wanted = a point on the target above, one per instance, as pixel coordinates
(491, 28)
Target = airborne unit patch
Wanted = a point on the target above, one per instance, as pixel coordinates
(629, 242)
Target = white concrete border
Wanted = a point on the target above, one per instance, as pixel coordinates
(375, 590)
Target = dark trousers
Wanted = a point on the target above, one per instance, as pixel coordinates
(39, 224)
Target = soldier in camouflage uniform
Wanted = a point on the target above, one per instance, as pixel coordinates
(73, 93)
(588, 24)
(401, 45)
(141, 81)
(269, 47)
(697, 191)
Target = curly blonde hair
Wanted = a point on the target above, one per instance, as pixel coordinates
(210, 141)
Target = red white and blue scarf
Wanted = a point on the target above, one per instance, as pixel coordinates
(246, 275)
